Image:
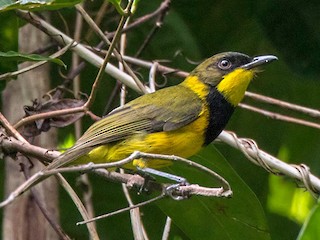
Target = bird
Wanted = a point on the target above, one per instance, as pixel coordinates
(178, 120)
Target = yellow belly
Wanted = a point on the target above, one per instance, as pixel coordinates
(183, 142)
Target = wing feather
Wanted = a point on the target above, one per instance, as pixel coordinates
(165, 110)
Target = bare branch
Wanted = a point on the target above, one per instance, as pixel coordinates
(50, 114)
(167, 228)
(163, 8)
(261, 158)
(82, 210)
(223, 192)
(11, 130)
(291, 106)
(84, 53)
(278, 116)
(45, 212)
(123, 209)
(99, 32)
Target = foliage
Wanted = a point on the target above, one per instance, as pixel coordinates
(6, 5)
(15, 56)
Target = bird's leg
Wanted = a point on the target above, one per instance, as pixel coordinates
(166, 175)
(171, 189)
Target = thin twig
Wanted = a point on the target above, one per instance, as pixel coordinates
(123, 209)
(136, 222)
(152, 76)
(167, 228)
(123, 41)
(86, 188)
(45, 115)
(156, 27)
(162, 9)
(291, 106)
(160, 68)
(63, 39)
(98, 19)
(135, 216)
(278, 116)
(104, 64)
(112, 98)
(75, 63)
(82, 210)
(11, 130)
(10, 144)
(115, 51)
(57, 228)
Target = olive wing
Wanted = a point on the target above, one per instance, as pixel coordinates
(165, 110)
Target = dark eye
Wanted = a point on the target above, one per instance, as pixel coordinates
(224, 64)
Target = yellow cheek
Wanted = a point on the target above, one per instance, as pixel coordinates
(234, 85)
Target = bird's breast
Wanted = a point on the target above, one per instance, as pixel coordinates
(220, 111)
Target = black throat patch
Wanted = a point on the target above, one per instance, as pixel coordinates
(220, 113)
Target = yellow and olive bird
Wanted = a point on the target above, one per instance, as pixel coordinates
(177, 120)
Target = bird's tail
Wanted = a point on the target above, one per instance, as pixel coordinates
(68, 157)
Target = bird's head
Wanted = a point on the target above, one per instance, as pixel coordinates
(230, 73)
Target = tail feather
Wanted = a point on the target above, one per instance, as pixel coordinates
(68, 156)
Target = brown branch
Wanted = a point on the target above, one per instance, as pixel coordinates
(54, 224)
(51, 114)
(11, 130)
(115, 51)
(106, 59)
(163, 8)
(123, 209)
(291, 106)
(12, 144)
(278, 116)
(98, 19)
(82, 210)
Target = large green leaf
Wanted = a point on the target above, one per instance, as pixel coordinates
(6, 5)
(240, 217)
(310, 229)
(16, 56)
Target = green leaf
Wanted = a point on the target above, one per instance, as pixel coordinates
(117, 5)
(239, 217)
(135, 6)
(285, 198)
(16, 56)
(68, 142)
(36, 5)
(310, 229)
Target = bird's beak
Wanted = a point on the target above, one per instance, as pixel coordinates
(258, 61)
